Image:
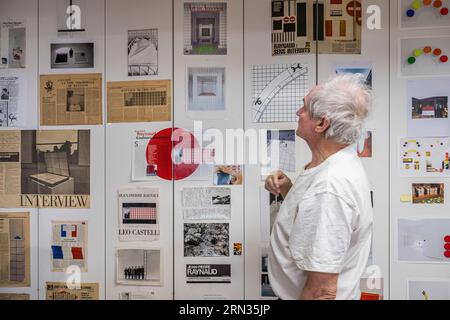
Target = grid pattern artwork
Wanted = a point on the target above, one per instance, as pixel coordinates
(153, 98)
(139, 213)
(278, 91)
(17, 251)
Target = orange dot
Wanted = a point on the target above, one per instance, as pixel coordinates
(437, 4)
(426, 2)
(437, 52)
(427, 49)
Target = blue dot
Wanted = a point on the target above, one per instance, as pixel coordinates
(410, 13)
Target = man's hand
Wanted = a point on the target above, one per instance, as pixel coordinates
(278, 183)
(320, 286)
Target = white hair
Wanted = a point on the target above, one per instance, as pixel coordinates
(345, 101)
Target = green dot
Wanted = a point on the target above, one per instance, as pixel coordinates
(411, 60)
(417, 52)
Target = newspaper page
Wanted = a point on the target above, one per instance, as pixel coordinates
(11, 107)
(299, 25)
(60, 291)
(10, 169)
(45, 169)
(14, 296)
(208, 273)
(138, 214)
(141, 169)
(12, 44)
(206, 203)
(14, 249)
(70, 99)
(69, 245)
(139, 101)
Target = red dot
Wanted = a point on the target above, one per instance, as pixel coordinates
(437, 52)
(444, 11)
(447, 246)
(447, 239)
(437, 4)
(443, 58)
(447, 254)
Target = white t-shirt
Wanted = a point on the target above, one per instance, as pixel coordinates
(323, 225)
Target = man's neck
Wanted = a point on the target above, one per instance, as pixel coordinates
(321, 150)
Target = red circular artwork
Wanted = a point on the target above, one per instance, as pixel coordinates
(167, 155)
(447, 239)
(443, 58)
(351, 10)
(447, 254)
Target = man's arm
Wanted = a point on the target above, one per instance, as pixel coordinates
(320, 286)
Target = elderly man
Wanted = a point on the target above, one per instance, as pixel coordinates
(321, 237)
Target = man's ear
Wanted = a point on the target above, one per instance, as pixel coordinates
(322, 125)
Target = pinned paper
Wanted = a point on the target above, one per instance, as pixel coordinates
(406, 198)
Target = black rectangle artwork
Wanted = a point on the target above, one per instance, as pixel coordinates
(9, 157)
(277, 9)
(301, 19)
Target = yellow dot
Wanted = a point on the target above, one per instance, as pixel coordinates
(416, 5)
(417, 52)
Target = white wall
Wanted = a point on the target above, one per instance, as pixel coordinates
(248, 44)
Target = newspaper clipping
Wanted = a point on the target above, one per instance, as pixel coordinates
(69, 245)
(12, 44)
(208, 273)
(139, 101)
(71, 99)
(11, 93)
(207, 203)
(60, 291)
(14, 249)
(138, 214)
(14, 296)
(45, 169)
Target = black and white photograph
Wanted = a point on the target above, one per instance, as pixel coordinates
(139, 266)
(72, 55)
(206, 240)
(206, 89)
(143, 52)
(55, 162)
(75, 100)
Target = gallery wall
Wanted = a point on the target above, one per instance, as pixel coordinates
(246, 37)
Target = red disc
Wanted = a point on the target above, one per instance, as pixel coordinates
(173, 144)
(437, 52)
(447, 254)
(443, 58)
(447, 239)
(437, 4)
(444, 11)
(447, 246)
